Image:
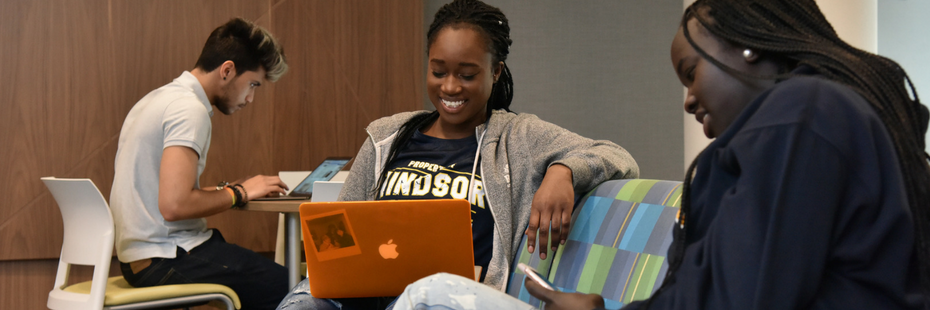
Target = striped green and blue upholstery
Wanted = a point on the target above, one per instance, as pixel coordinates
(620, 234)
(515, 286)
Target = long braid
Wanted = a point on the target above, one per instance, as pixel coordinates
(490, 22)
(403, 135)
(797, 31)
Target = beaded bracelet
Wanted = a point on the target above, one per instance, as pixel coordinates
(238, 200)
(245, 194)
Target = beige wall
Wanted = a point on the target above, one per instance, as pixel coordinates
(72, 69)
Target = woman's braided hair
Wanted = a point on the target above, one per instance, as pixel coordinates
(796, 32)
(493, 25)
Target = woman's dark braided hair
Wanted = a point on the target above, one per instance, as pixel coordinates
(796, 32)
(484, 19)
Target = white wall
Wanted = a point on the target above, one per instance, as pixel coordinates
(856, 22)
(904, 36)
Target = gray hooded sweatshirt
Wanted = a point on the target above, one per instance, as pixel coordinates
(515, 152)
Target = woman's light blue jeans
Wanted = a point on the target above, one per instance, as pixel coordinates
(441, 291)
(300, 299)
(447, 291)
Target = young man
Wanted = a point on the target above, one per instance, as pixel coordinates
(158, 205)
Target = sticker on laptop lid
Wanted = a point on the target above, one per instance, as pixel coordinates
(331, 235)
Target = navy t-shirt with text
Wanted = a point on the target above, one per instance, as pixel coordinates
(434, 168)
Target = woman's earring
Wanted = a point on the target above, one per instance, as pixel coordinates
(748, 54)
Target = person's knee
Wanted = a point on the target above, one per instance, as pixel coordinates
(435, 281)
(301, 298)
(302, 288)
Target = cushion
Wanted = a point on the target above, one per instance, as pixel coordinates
(621, 231)
(119, 292)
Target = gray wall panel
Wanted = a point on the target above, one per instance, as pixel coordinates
(601, 69)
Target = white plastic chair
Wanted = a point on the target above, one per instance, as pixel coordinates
(88, 240)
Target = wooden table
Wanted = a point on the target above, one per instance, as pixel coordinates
(292, 248)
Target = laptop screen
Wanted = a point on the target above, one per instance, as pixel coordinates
(325, 172)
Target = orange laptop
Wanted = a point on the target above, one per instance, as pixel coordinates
(377, 248)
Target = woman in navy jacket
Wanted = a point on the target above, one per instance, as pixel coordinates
(814, 194)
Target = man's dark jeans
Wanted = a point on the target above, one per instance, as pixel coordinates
(259, 282)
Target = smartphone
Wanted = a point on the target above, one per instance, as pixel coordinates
(534, 275)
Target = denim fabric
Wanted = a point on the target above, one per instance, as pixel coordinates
(445, 291)
(300, 299)
(259, 282)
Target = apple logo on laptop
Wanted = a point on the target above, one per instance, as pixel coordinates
(388, 250)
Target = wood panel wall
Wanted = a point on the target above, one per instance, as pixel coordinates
(70, 70)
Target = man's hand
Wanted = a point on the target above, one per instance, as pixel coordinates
(557, 300)
(552, 204)
(263, 185)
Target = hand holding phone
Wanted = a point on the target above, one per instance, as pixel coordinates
(534, 275)
(553, 298)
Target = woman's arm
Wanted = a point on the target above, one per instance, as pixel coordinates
(572, 164)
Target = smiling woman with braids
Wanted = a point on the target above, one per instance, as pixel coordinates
(814, 194)
(519, 173)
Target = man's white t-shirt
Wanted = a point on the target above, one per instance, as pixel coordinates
(177, 114)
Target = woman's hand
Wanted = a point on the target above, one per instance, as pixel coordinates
(262, 185)
(557, 300)
(552, 206)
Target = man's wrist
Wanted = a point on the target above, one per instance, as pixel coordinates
(245, 194)
(232, 193)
